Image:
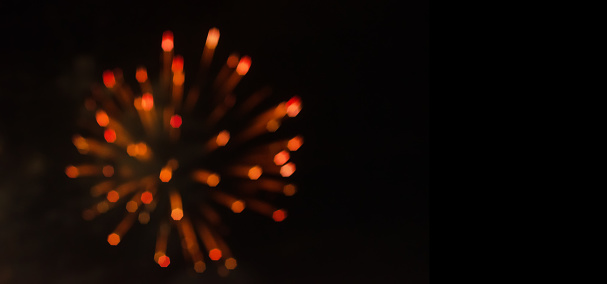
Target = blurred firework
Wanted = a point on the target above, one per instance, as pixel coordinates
(158, 153)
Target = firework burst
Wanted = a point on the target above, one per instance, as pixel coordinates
(155, 152)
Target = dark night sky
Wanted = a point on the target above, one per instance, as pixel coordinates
(361, 68)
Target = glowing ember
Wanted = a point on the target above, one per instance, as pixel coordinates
(243, 65)
(167, 41)
(175, 121)
(108, 79)
(215, 254)
(279, 215)
(147, 101)
(164, 261)
(109, 135)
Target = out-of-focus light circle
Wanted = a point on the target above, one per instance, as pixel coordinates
(237, 206)
(164, 261)
(71, 172)
(147, 197)
(102, 118)
(281, 158)
(108, 171)
(289, 190)
(113, 196)
(213, 180)
(215, 254)
(175, 121)
(177, 214)
(243, 65)
(287, 170)
(109, 135)
(113, 239)
(255, 172)
(147, 101)
(279, 215)
(141, 74)
(230, 263)
(222, 138)
(167, 41)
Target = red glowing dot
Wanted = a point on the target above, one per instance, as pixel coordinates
(295, 143)
(279, 215)
(141, 75)
(177, 214)
(167, 41)
(113, 239)
(164, 261)
(109, 135)
(243, 65)
(232, 61)
(287, 170)
(176, 121)
(281, 158)
(293, 106)
(147, 101)
(177, 64)
(108, 79)
(113, 196)
(215, 254)
(102, 118)
(108, 171)
(147, 197)
(212, 38)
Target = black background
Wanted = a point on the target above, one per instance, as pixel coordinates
(361, 68)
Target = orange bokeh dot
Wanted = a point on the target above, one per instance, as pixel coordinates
(132, 150)
(166, 174)
(215, 254)
(113, 239)
(222, 138)
(237, 206)
(232, 61)
(287, 170)
(295, 143)
(281, 158)
(102, 119)
(279, 215)
(230, 263)
(141, 75)
(108, 79)
(177, 64)
(289, 190)
(272, 125)
(108, 171)
(212, 38)
(144, 217)
(243, 65)
(113, 196)
(199, 267)
(71, 172)
(293, 106)
(255, 172)
(164, 261)
(176, 121)
(167, 41)
(147, 101)
(131, 206)
(109, 135)
(177, 214)
(147, 197)
(142, 149)
(178, 78)
(213, 180)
